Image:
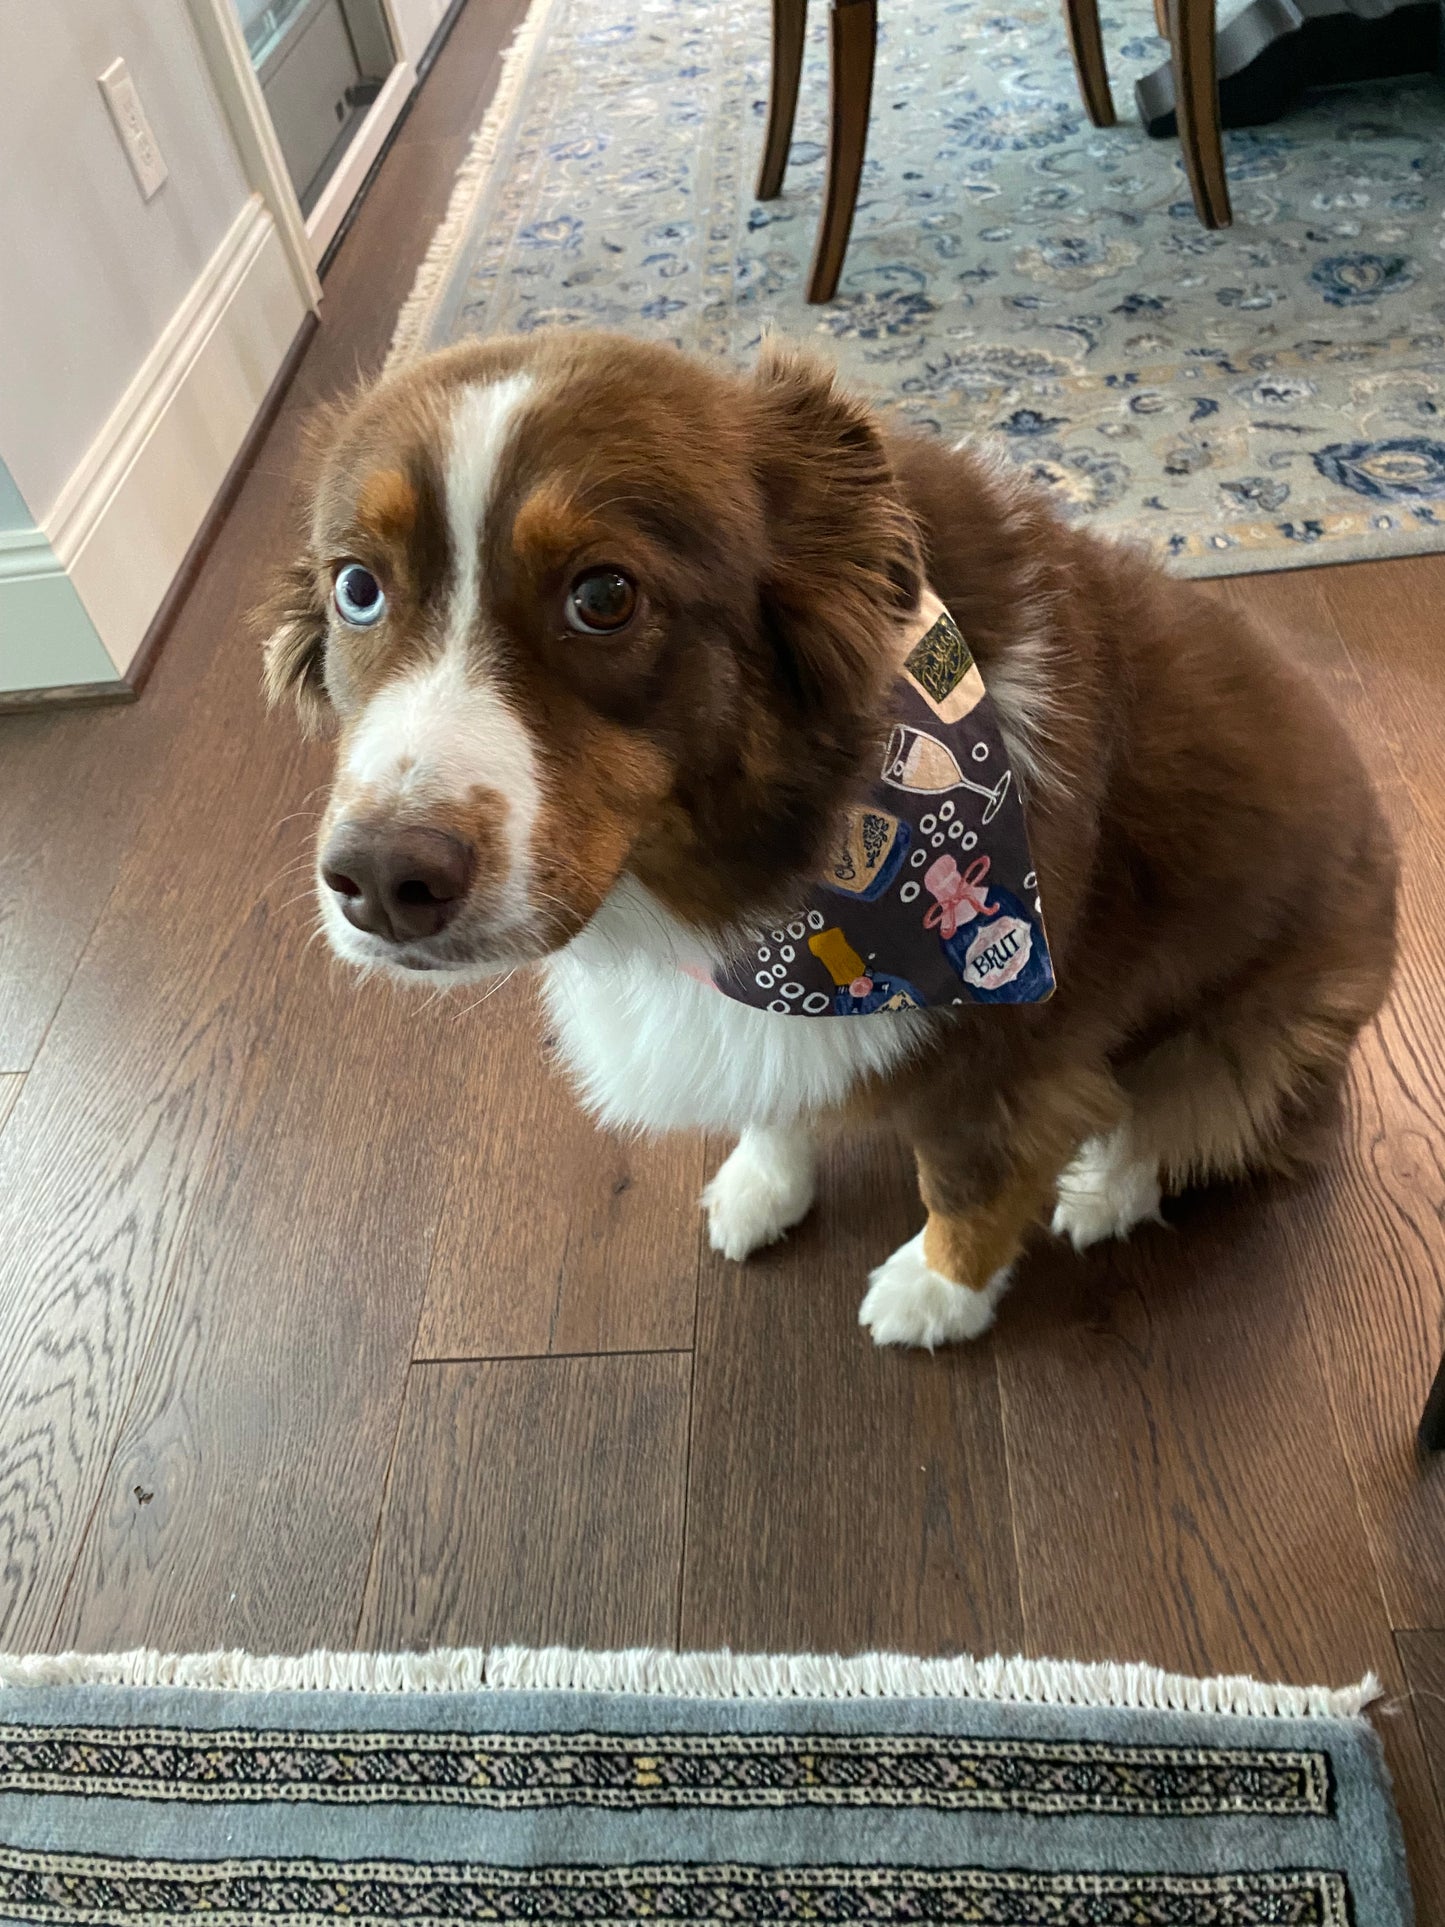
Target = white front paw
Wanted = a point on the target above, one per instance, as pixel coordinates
(909, 1303)
(1105, 1192)
(763, 1190)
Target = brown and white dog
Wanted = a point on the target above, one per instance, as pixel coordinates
(608, 636)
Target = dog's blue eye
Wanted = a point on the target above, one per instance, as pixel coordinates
(358, 594)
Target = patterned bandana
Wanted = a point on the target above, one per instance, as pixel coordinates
(929, 898)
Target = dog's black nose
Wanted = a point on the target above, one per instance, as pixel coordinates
(399, 884)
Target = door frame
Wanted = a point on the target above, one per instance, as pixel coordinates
(304, 239)
(333, 204)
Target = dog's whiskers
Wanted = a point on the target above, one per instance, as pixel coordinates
(284, 875)
(490, 991)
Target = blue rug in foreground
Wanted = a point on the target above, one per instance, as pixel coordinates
(509, 1788)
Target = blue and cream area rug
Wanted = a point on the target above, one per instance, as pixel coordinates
(557, 1787)
(1267, 396)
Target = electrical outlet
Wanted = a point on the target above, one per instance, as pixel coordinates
(147, 162)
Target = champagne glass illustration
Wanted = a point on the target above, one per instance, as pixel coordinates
(914, 760)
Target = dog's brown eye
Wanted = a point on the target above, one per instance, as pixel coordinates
(601, 602)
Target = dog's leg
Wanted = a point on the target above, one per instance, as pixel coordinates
(763, 1190)
(943, 1285)
(1109, 1187)
(984, 1191)
(1251, 1085)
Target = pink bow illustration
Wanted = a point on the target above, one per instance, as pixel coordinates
(960, 896)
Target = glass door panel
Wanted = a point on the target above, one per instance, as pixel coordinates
(321, 65)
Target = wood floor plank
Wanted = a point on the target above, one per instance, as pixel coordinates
(1422, 1654)
(131, 1093)
(55, 870)
(841, 1497)
(465, 75)
(1174, 1488)
(372, 275)
(1181, 1495)
(11, 1083)
(73, 789)
(536, 1500)
(1297, 611)
(242, 1501)
(1376, 1297)
(557, 1237)
(1376, 1266)
(1388, 615)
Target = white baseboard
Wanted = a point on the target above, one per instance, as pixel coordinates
(46, 638)
(125, 518)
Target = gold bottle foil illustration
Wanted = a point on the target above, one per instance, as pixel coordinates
(837, 956)
(858, 990)
(940, 665)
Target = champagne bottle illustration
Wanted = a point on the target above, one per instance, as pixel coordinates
(870, 848)
(1002, 959)
(916, 761)
(987, 935)
(858, 991)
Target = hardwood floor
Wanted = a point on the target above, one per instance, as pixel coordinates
(325, 1320)
(1423, 1657)
(595, 1451)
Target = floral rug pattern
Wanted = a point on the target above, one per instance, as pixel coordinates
(1259, 398)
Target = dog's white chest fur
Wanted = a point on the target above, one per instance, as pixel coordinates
(652, 1048)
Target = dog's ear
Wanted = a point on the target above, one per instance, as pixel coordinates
(846, 564)
(292, 621)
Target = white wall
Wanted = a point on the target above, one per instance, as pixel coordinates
(137, 339)
(92, 273)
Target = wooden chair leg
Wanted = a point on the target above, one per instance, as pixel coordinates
(1432, 1425)
(1161, 17)
(790, 27)
(1196, 102)
(1086, 44)
(852, 39)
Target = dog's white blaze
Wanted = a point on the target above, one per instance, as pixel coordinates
(483, 417)
(436, 735)
(443, 729)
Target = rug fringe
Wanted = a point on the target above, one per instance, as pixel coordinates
(471, 180)
(720, 1675)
